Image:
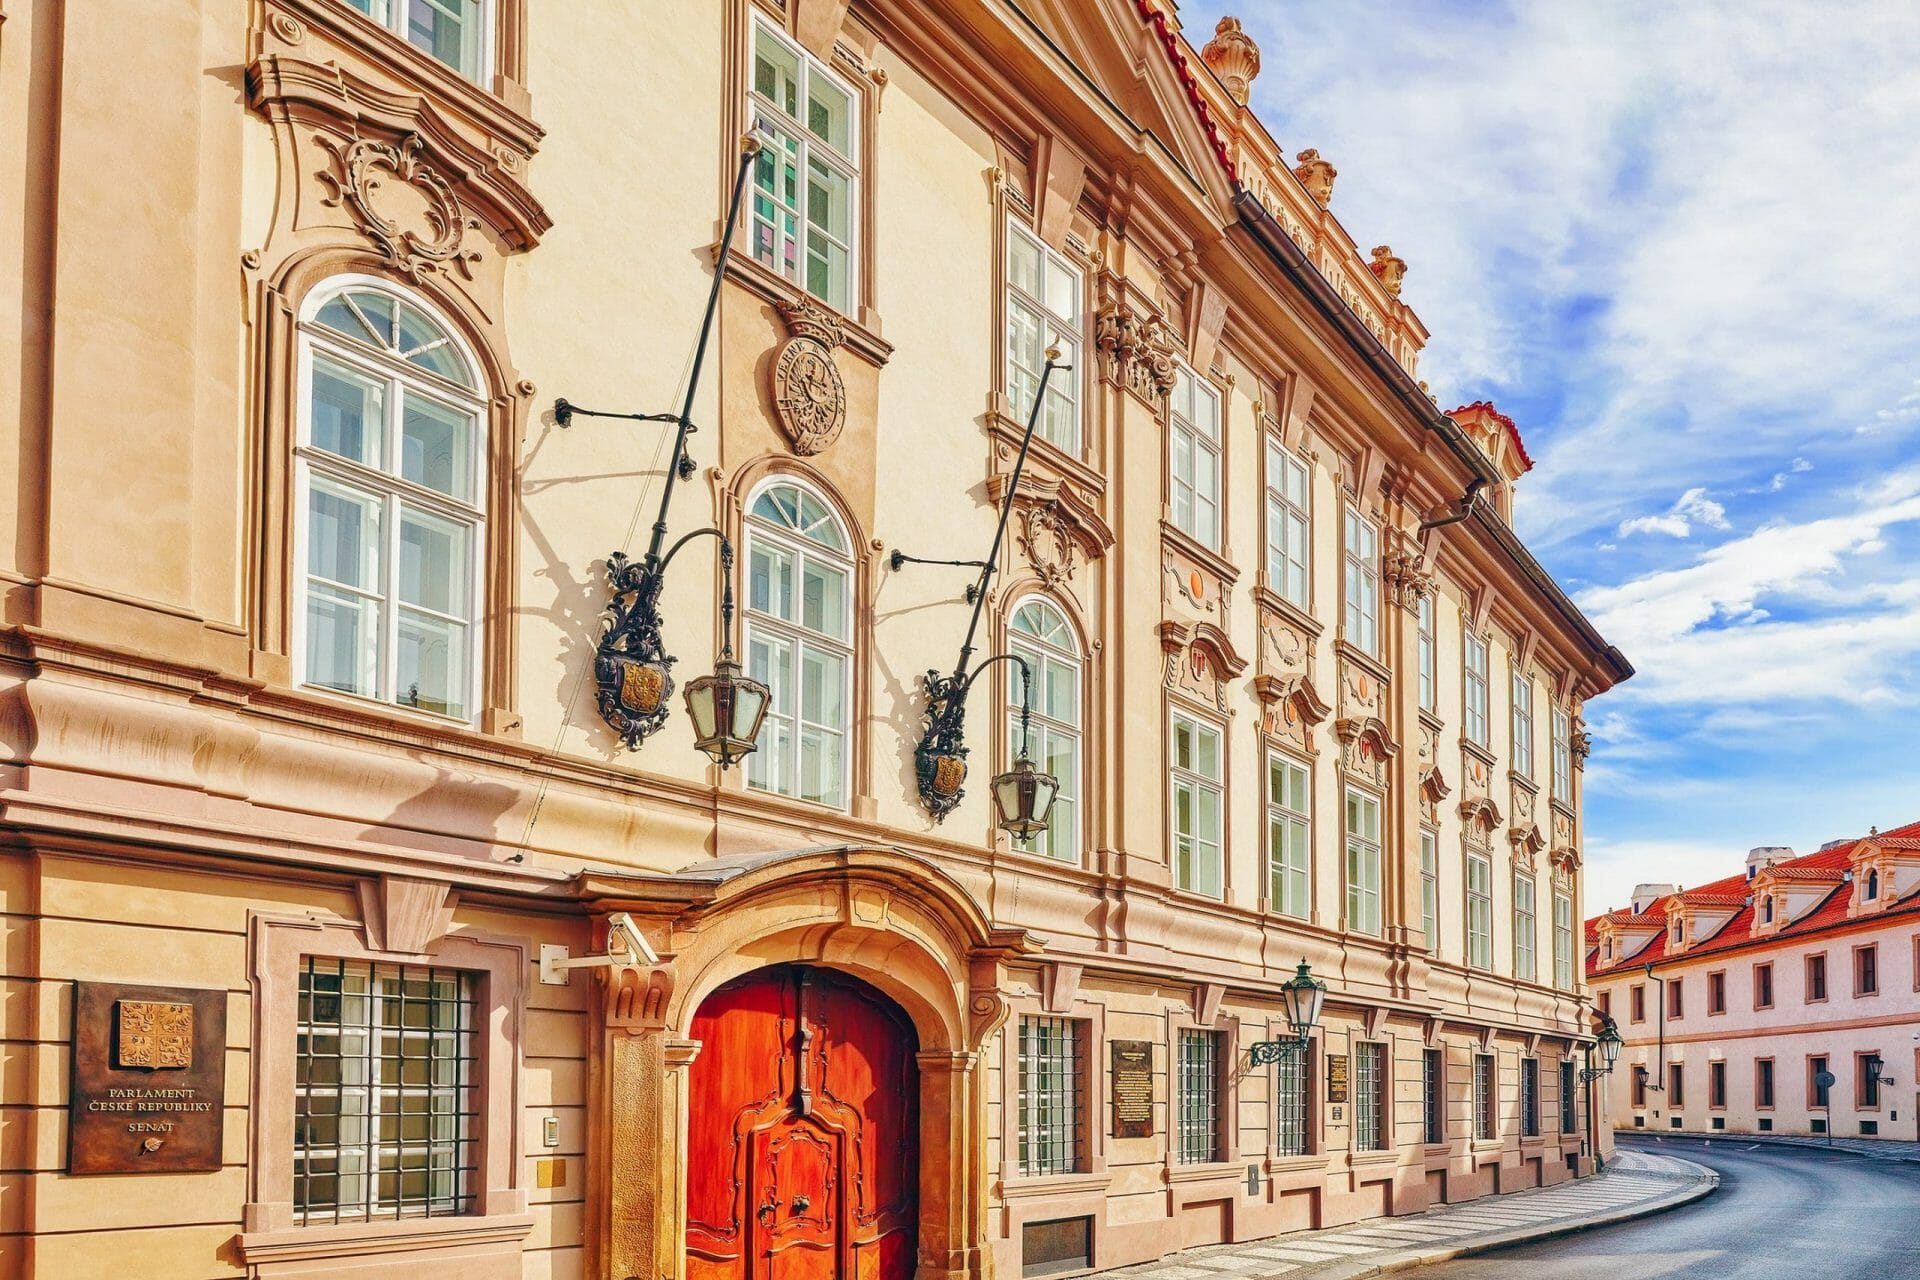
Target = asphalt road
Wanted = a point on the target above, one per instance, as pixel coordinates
(1792, 1212)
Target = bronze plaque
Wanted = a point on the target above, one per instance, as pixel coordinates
(1337, 1077)
(1132, 1088)
(149, 1079)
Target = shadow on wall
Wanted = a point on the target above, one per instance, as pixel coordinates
(456, 814)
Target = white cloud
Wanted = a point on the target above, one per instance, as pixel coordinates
(1693, 507)
(1673, 526)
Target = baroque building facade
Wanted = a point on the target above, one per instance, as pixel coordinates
(1776, 1001)
(306, 790)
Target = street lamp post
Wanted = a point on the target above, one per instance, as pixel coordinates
(1302, 996)
(631, 664)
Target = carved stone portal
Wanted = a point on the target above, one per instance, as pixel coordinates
(809, 399)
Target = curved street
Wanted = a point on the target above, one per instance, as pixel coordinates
(1780, 1211)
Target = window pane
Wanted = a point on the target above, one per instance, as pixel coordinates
(823, 599)
(1023, 263)
(821, 753)
(349, 411)
(770, 579)
(776, 72)
(432, 664)
(1063, 290)
(436, 446)
(776, 205)
(822, 687)
(830, 113)
(422, 340)
(449, 30)
(343, 535)
(434, 565)
(342, 641)
(829, 217)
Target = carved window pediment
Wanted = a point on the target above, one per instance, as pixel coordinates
(1433, 789)
(1056, 526)
(1290, 707)
(1200, 659)
(1481, 816)
(1365, 748)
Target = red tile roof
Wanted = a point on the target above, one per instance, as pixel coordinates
(1828, 866)
(1177, 56)
(1513, 432)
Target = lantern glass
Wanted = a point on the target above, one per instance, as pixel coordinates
(1609, 1046)
(1303, 995)
(1024, 798)
(726, 708)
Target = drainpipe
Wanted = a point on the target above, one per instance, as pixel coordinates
(1660, 1054)
(1465, 509)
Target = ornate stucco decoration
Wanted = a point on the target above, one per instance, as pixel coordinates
(1565, 860)
(1403, 569)
(1200, 659)
(1481, 816)
(1137, 349)
(1527, 841)
(1365, 748)
(1362, 694)
(419, 231)
(1234, 57)
(1390, 269)
(1582, 747)
(1290, 707)
(1433, 789)
(1523, 831)
(1057, 527)
(1316, 175)
(809, 399)
(1283, 646)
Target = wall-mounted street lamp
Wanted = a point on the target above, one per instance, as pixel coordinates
(1608, 1043)
(1023, 796)
(631, 664)
(1301, 996)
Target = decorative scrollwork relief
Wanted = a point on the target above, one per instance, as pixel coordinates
(809, 399)
(1138, 349)
(362, 173)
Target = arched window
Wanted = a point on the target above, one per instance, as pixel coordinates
(1041, 636)
(1873, 883)
(389, 472)
(799, 640)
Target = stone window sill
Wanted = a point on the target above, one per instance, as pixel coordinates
(366, 1239)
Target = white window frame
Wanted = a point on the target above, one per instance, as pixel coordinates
(1526, 928)
(1363, 861)
(1067, 331)
(385, 484)
(1047, 729)
(801, 638)
(1563, 756)
(1197, 784)
(1430, 888)
(1289, 526)
(1522, 724)
(1479, 909)
(1289, 838)
(807, 146)
(1427, 661)
(393, 15)
(1563, 940)
(1476, 691)
(1360, 553)
(1197, 444)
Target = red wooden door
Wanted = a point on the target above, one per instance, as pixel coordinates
(803, 1131)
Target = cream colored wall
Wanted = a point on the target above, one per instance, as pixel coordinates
(1794, 1029)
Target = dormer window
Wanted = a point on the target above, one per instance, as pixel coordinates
(1766, 910)
(1676, 933)
(1871, 889)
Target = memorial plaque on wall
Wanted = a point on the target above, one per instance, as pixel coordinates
(1337, 1077)
(1132, 1088)
(149, 1079)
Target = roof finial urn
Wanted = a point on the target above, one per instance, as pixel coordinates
(1390, 269)
(1234, 57)
(1316, 175)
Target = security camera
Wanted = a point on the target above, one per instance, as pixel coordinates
(625, 943)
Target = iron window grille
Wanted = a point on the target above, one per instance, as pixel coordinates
(1369, 1097)
(1483, 1096)
(1529, 1097)
(1052, 1099)
(1569, 1120)
(1197, 1136)
(385, 1103)
(1431, 1098)
(1290, 1076)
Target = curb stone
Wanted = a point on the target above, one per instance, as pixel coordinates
(1803, 1144)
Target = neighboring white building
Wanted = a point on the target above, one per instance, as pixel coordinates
(1733, 998)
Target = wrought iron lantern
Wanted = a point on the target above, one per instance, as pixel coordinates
(1302, 996)
(1608, 1042)
(1024, 795)
(631, 665)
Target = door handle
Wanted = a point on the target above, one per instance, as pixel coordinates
(801, 1204)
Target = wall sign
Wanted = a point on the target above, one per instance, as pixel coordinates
(149, 1079)
(1337, 1077)
(1132, 1088)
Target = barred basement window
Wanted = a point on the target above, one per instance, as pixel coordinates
(1197, 1135)
(1052, 1102)
(1483, 1096)
(385, 1104)
(1290, 1104)
(1369, 1097)
(1529, 1097)
(1433, 1107)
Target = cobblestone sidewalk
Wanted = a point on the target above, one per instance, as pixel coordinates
(1873, 1148)
(1636, 1183)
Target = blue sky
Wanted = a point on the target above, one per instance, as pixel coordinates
(1680, 245)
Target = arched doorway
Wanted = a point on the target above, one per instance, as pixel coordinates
(803, 1158)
